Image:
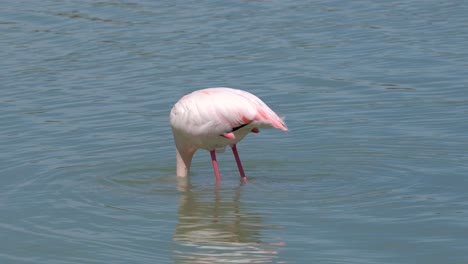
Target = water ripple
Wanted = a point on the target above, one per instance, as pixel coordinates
(372, 169)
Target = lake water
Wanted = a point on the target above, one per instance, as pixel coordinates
(373, 170)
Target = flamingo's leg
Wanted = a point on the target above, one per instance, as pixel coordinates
(215, 165)
(238, 161)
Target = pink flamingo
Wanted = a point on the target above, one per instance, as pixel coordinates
(213, 118)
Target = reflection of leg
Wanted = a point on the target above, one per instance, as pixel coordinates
(215, 165)
(238, 161)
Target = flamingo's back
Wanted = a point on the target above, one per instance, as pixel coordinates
(204, 115)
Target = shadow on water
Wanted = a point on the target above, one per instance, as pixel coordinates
(214, 226)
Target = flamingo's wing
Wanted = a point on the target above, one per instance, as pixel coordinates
(217, 111)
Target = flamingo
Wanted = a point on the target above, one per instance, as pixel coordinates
(213, 118)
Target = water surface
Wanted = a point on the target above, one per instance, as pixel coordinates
(373, 169)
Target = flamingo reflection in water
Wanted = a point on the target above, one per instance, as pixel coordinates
(211, 229)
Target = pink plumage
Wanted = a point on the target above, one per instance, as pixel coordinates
(213, 118)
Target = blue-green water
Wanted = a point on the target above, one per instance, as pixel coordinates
(373, 170)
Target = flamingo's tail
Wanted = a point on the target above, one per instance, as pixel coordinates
(271, 119)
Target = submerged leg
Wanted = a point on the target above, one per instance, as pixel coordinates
(238, 161)
(215, 165)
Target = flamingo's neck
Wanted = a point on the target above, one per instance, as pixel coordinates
(183, 159)
(184, 155)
